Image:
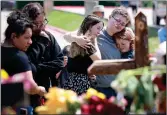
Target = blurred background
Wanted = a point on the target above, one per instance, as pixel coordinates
(68, 15)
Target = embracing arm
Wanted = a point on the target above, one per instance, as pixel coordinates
(71, 36)
(80, 40)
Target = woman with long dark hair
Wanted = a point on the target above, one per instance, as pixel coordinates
(81, 58)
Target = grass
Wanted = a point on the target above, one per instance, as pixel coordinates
(152, 39)
(153, 44)
(71, 22)
(64, 20)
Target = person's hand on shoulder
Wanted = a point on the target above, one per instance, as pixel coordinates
(83, 42)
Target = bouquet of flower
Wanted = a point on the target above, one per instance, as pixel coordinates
(140, 88)
(60, 101)
(95, 103)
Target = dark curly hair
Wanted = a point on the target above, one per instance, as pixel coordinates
(17, 23)
(33, 10)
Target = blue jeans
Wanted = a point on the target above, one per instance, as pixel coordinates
(108, 91)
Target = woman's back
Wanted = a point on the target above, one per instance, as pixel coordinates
(79, 64)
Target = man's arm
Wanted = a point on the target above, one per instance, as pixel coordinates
(71, 36)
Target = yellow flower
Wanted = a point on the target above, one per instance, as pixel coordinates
(54, 93)
(51, 94)
(101, 95)
(56, 103)
(71, 96)
(4, 74)
(42, 110)
(56, 100)
(90, 92)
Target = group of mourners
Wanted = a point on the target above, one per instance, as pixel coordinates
(30, 49)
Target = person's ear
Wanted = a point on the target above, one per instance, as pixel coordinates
(13, 35)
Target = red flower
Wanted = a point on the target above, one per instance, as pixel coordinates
(95, 100)
(85, 109)
(112, 99)
(159, 82)
(113, 109)
(99, 108)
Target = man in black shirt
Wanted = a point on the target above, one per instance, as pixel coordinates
(44, 53)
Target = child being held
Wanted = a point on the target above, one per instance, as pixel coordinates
(125, 43)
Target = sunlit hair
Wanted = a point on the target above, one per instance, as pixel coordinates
(86, 25)
(33, 10)
(17, 23)
(123, 12)
(66, 50)
(126, 34)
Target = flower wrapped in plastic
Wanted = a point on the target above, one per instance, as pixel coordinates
(95, 103)
(59, 101)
